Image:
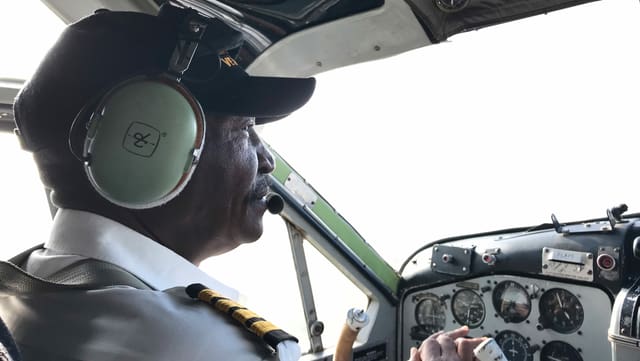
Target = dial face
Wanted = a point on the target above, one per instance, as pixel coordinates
(468, 308)
(561, 311)
(430, 313)
(559, 351)
(514, 346)
(511, 301)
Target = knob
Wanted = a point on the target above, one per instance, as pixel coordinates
(606, 262)
(316, 328)
(636, 247)
(534, 348)
(489, 259)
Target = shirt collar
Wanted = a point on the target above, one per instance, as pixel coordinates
(91, 235)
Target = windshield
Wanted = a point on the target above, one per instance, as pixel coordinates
(24, 49)
(495, 129)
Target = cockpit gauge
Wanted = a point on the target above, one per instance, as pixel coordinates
(468, 308)
(514, 346)
(559, 351)
(430, 313)
(511, 301)
(561, 311)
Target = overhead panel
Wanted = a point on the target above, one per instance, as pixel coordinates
(443, 18)
(279, 18)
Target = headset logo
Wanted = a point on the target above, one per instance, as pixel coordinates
(141, 139)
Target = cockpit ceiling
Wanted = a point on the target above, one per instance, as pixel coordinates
(440, 19)
(268, 22)
(443, 18)
(279, 18)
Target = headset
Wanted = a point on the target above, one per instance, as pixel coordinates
(145, 135)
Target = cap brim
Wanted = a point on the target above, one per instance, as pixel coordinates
(265, 98)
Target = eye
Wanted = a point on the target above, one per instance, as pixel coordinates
(249, 124)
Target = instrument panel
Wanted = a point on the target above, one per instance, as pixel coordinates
(531, 319)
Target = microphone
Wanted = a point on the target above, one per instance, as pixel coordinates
(275, 203)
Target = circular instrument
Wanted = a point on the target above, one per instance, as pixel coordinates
(514, 346)
(430, 313)
(511, 302)
(468, 308)
(561, 311)
(559, 351)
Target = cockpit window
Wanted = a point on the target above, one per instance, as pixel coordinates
(496, 129)
(24, 211)
(28, 28)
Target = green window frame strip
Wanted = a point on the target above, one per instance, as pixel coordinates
(342, 229)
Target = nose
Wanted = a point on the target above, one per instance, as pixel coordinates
(266, 163)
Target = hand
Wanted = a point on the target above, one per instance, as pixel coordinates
(447, 346)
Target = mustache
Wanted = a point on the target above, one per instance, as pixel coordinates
(262, 187)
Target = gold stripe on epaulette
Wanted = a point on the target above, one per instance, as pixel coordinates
(225, 305)
(260, 328)
(243, 315)
(207, 295)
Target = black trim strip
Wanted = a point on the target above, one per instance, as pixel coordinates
(339, 246)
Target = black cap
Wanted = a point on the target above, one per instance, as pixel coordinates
(108, 47)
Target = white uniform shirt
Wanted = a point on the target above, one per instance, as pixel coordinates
(76, 235)
(122, 323)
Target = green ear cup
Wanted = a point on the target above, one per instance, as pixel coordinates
(143, 142)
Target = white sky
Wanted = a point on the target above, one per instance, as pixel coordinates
(27, 30)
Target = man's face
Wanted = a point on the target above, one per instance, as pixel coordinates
(223, 204)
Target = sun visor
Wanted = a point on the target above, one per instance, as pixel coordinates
(443, 18)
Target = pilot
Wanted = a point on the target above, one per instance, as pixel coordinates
(143, 129)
